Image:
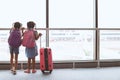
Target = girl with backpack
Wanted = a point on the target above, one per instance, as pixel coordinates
(14, 42)
(29, 37)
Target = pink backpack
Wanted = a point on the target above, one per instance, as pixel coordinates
(28, 39)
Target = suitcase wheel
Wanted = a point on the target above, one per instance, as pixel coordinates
(50, 71)
(46, 71)
(43, 71)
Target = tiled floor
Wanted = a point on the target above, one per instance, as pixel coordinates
(109, 73)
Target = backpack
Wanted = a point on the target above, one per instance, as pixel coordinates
(28, 39)
(14, 39)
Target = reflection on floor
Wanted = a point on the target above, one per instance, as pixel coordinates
(109, 73)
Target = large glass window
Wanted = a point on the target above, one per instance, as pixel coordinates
(4, 47)
(109, 13)
(23, 11)
(110, 44)
(71, 13)
(72, 44)
(76, 44)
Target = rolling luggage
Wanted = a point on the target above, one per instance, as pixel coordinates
(46, 64)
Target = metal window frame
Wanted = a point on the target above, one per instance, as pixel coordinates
(97, 37)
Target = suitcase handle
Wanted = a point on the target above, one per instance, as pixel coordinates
(40, 42)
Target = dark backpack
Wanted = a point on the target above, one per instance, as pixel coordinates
(14, 39)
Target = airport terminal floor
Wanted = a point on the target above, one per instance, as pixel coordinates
(106, 73)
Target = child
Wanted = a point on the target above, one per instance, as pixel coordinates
(14, 41)
(31, 53)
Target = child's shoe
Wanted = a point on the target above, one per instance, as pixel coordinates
(14, 72)
(11, 69)
(27, 71)
(34, 71)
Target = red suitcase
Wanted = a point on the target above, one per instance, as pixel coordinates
(46, 63)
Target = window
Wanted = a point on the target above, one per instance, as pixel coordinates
(4, 47)
(109, 14)
(110, 44)
(23, 11)
(72, 44)
(71, 13)
(68, 44)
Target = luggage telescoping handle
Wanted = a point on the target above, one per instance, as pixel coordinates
(40, 43)
(40, 40)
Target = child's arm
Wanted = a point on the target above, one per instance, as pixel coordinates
(12, 29)
(37, 35)
(22, 30)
